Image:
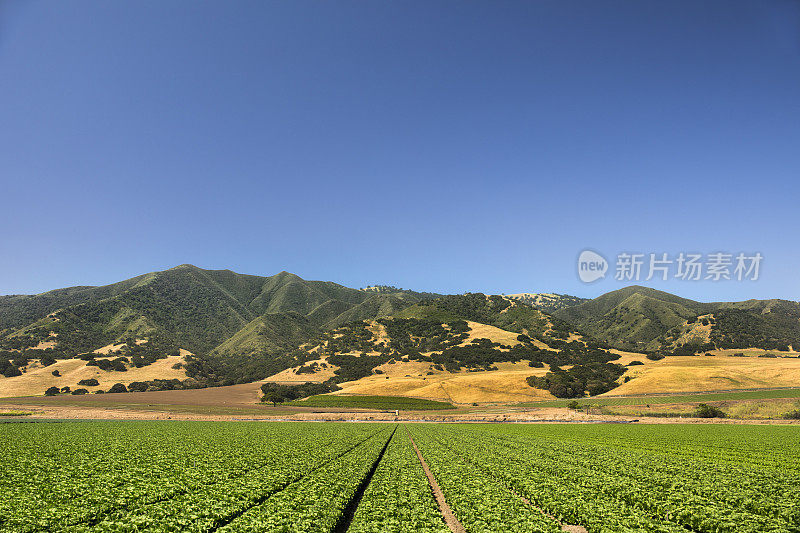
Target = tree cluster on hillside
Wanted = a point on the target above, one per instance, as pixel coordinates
(740, 328)
(409, 336)
(587, 378)
(351, 337)
(275, 393)
(353, 367)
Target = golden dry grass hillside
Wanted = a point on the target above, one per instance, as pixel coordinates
(704, 373)
(505, 385)
(38, 379)
(324, 372)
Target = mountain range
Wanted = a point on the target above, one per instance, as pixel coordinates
(245, 327)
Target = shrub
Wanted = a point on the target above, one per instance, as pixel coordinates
(574, 405)
(12, 372)
(91, 382)
(635, 363)
(118, 387)
(64, 389)
(56, 373)
(47, 360)
(535, 364)
(708, 411)
(792, 415)
(80, 391)
(655, 356)
(52, 391)
(137, 386)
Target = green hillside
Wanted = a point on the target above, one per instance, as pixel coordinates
(640, 318)
(504, 313)
(215, 314)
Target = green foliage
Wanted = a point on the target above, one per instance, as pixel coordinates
(752, 327)
(307, 477)
(410, 336)
(276, 393)
(110, 365)
(640, 318)
(592, 378)
(398, 497)
(12, 371)
(656, 478)
(704, 410)
(353, 367)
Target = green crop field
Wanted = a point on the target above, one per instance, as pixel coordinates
(386, 403)
(367, 478)
(765, 394)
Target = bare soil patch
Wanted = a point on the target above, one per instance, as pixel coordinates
(449, 518)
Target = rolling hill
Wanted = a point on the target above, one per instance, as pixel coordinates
(641, 318)
(224, 328)
(242, 327)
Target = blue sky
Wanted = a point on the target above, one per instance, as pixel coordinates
(442, 146)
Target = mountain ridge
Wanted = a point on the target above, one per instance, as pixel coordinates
(244, 327)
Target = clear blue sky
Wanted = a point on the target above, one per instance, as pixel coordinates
(442, 146)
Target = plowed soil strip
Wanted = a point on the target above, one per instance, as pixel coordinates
(449, 518)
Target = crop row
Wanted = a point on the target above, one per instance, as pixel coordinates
(398, 498)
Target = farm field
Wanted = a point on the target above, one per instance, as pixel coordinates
(763, 394)
(333, 477)
(371, 402)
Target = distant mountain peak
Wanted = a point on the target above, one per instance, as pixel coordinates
(547, 302)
